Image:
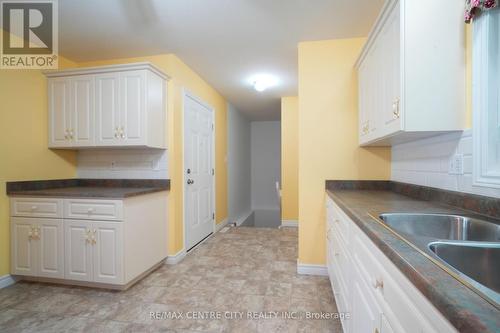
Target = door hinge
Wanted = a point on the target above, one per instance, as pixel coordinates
(213, 216)
(212, 127)
(213, 172)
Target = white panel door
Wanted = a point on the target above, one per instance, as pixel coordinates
(23, 253)
(50, 248)
(107, 253)
(198, 165)
(107, 109)
(60, 112)
(78, 250)
(83, 105)
(133, 107)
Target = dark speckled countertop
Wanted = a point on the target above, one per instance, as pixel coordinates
(87, 188)
(465, 309)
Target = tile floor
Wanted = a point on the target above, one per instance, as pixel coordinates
(244, 269)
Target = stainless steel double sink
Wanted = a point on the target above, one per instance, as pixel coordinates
(466, 247)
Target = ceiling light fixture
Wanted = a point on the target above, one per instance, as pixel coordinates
(262, 82)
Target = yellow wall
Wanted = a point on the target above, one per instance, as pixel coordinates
(23, 141)
(328, 135)
(289, 158)
(184, 77)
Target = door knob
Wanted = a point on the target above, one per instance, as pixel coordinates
(190, 181)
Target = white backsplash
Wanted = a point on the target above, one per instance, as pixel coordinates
(123, 164)
(426, 162)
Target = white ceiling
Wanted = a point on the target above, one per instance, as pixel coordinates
(224, 41)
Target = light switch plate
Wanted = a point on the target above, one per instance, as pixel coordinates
(456, 165)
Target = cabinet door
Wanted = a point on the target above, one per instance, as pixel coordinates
(108, 252)
(363, 101)
(50, 248)
(385, 327)
(83, 105)
(377, 82)
(365, 312)
(23, 253)
(133, 107)
(369, 85)
(59, 112)
(107, 109)
(391, 112)
(78, 250)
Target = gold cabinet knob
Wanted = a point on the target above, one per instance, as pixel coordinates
(378, 283)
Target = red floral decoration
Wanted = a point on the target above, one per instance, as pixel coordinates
(474, 7)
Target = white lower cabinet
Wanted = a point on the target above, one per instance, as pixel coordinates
(107, 252)
(50, 243)
(110, 253)
(38, 247)
(22, 249)
(94, 251)
(78, 250)
(366, 315)
(368, 286)
(385, 327)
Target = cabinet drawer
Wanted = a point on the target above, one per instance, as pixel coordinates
(36, 207)
(107, 210)
(339, 291)
(369, 267)
(343, 261)
(341, 223)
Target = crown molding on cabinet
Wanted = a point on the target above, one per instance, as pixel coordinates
(108, 69)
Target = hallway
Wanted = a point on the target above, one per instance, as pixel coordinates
(244, 269)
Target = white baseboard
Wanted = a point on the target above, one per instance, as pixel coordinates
(290, 223)
(221, 225)
(7, 280)
(311, 269)
(176, 258)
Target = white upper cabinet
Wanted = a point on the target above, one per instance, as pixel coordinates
(133, 108)
(109, 106)
(486, 98)
(82, 110)
(59, 112)
(411, 73)
(107, 109)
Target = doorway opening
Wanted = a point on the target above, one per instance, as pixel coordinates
(254, 171)
(265, 174)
